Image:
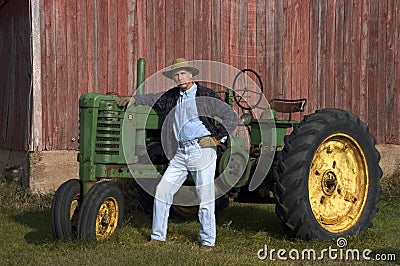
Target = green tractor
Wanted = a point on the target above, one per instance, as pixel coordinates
(322, 173)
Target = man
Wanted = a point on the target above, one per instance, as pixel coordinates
(191, 109)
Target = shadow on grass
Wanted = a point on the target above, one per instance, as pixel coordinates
(39, 222)
(250, 218)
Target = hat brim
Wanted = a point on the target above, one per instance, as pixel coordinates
(171, 73)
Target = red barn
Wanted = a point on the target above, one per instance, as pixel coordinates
(342, 54)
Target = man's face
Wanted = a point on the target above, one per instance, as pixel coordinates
(184, 79)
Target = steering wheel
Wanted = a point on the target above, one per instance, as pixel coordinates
(241, 81)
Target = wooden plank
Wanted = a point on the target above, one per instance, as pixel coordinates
(60, 108)
(160, 36)
(266, 30)
(189, 32)
(72, 91)
(391, 120)
(313, 70)
(234, 34)
(136, 37)
(92, 44)
(296, 44)
(131, 56)
(251, 44)
(49, 93)
(180, 31)
(11, 82)
(322, 54)
(36, 141)
(151, 36)
(305, 50)
(262, 46)
(233, 42)
(82, 47)
(381, 86)
(328, 96)
(123, 54)
(206, 13)
(364, 59)
(46, 53)
(338, 88)
(242, 34)
(207, 35)
(225, 31)
(225, 41)
(395, 136)
(141, 29)
(202, 47)
(102, 47)
(170, 33)
(348, 19)
(279, 29)
(252, 35)
(160, 33)
(287, 22)
(356, 34)
(373, 75)
(216, 43)
(25, 65)
(112, 47)
(5, 53)
(298, 48)
(216, 31)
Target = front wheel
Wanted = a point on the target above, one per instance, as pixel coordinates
(102, 212)
(327, 178)
(65, 208)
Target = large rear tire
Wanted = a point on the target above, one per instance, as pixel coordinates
(102, 212)
(327, 178)
(65, 208)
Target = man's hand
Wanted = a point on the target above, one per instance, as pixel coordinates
(125, 101)
(207, 142)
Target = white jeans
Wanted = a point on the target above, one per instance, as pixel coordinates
(201, 163)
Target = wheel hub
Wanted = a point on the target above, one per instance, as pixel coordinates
(105, 220)
(329, 183)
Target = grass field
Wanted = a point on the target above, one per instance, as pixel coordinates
(242, 230)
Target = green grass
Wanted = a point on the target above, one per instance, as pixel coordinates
(242, 229)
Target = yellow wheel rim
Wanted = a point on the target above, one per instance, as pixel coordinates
(338, 183)
(107, 218)
(73, 208)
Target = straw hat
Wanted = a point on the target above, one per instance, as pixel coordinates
(180, 63)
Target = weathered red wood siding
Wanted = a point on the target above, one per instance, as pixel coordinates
(339, 53)
(15, 75)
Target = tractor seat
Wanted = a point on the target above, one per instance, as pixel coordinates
(286, 106)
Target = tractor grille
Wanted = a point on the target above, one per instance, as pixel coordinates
(108, 134)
